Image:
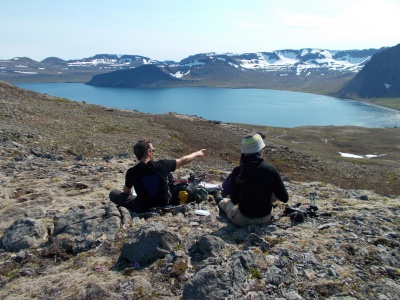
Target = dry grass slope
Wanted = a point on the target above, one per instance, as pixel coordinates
(303, 154)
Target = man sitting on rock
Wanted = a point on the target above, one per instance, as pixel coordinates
(253, 186)
(149, 179)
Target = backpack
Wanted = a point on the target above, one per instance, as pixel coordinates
(185, 191)
(176, 187)
(200, 194)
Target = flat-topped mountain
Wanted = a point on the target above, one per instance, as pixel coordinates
(142, 76)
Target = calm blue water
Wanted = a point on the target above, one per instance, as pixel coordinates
(250, 106)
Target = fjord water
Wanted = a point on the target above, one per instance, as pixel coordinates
(249, 106)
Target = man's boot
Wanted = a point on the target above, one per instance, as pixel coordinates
(217, 196)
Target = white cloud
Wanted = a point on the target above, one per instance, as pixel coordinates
(346, 23)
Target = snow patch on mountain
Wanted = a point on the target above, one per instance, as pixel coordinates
(179, 74)
(352, 60)
(234, 65)
(278, 60)
(302, 59)
(25, 72)
(268, 61)
(194, 63)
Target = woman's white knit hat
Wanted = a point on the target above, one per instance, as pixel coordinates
(252, 144)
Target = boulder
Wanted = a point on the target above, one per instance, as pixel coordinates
(151, 242)
(211, 245)
(220, 281)
(210, 282)
(24, 233)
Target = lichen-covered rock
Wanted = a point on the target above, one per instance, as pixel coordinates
(24, 233)
(211, 245)
(152, 241)
(86, 228)
(220, 281)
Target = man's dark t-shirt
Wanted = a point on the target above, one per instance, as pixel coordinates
(151, 190)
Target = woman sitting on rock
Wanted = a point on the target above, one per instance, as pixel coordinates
(253, 186)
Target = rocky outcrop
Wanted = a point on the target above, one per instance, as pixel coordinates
(350, 247)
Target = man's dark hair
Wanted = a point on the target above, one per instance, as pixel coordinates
(140, 148)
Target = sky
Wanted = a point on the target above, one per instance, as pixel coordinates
(175, 29)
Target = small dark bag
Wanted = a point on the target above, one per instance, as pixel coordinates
(181, 185)
(195, 192)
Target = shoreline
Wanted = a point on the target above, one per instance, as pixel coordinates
(371, 102)
(393, 103)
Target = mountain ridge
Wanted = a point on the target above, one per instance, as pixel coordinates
(308, 63)
(305, 70)
(308, 70)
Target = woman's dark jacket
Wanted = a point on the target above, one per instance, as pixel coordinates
(253, 191)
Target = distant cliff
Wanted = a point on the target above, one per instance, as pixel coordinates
(379, 78)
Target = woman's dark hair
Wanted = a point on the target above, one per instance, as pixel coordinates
(245, 161)
(241, 178)
(140, 148)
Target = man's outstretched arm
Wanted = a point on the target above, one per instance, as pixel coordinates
(184, 160)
